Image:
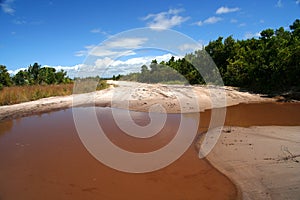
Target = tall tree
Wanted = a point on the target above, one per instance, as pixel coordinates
(34, 72)
(60, 77)
(4, 77)
(21, 78)
(46, 75)
(295, 27)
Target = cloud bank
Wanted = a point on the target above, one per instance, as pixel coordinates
(107, 67)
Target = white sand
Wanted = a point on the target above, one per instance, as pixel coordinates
(141, 97)
(263, 161)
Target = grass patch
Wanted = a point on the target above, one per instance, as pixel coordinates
(102, 84)
(19, 94)
(89, 85)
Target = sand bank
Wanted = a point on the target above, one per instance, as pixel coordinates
(263, 161)
(141, 97)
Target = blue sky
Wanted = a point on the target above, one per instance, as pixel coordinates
(62, 33)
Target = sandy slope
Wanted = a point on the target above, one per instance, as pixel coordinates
(140, 97)
(262, 160)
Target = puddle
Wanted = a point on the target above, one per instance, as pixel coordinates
(42, 157)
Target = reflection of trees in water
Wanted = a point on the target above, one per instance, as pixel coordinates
(6, 126)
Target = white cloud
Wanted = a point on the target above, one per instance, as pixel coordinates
(113, 47)
(6, 6)
(13, 72)
(105, 62)
(85, 52)
(132, 61)
(250, 35)
(108, 62)
(19, 22)
(233, 21)
(71, 70)
(107, 67)
(210, 20)
(80, 53)
(22, 22)
(279, 4)
(98, 30)
(128, 66)
(66, 68)
(126, 43)
(224, 10)
(166, 57)
(242, 24)
(189, 47)
(165, 20)
(103, 52)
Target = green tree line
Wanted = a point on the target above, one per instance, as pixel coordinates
(156, 73)
(33, 75)
(270, 63)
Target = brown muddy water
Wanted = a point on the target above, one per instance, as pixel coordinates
(42, 157)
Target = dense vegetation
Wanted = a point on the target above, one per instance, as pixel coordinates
(33, 83)
(158, 73)
(268, 64)
(34, 75)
